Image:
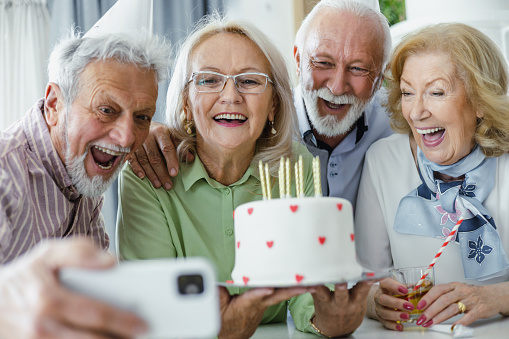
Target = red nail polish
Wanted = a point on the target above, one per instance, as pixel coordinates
(421, 304)
(399, 327)
(402, 290)
(408, 306)
(428, 324)
(421, 320)
(404, 316)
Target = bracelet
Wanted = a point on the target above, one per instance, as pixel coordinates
(317, 329)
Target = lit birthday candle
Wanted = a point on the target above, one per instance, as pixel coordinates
(316, 176)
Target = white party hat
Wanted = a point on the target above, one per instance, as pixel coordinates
(126, 16)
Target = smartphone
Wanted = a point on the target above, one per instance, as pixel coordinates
(178, 298)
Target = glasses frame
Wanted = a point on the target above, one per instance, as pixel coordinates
(233, 77)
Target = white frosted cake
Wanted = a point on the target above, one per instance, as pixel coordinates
(283, 242)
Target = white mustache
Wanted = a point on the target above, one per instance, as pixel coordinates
(344, 99)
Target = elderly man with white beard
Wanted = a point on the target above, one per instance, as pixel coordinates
(55, 164)
(340, 50)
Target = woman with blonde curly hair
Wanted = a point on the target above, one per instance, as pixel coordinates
(448, 98)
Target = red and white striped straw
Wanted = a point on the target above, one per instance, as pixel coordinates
(452, 234)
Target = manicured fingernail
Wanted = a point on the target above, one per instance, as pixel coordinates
(428, 324)
(157, 184)
(167, 186)
(404, 316)
(173, 172)
(402, 290)
(140, 175)
(421, 304)
(408, 306)
(421, 319)
(399, 327)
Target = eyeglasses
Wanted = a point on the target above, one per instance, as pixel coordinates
(212, 82)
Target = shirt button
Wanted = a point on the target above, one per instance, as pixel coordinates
(229, 231)
(227, 191)
(333, 164)
(333, 174)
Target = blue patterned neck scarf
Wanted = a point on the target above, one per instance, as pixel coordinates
(431, 210)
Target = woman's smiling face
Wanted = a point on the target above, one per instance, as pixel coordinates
(435, 105)
(229, 120)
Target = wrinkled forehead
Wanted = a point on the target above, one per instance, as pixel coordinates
(334, 31)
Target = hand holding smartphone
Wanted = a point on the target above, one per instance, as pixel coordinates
(178, 298)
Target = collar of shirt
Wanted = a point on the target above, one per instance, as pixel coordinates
(39, 142)
(195, 171)
(306, 131)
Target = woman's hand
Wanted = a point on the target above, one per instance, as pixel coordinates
(241, 314)
(386, 308)
(441, 303)
(340, 312)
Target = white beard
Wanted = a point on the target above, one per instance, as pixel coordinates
(75, 166)
(330, 125)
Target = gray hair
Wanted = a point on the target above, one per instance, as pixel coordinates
(358, 8)
(72, 54)
(270, 148)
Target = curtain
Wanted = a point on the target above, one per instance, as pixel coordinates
(173, 19)
(24, 29)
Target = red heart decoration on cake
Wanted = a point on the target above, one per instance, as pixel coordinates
(321, 240)
(294, 208)
(229, 281)
(352, 236)
(270, 243)
(370, 274)
(250, 210)
(238, 244)
(340, 206)
(299, 278)
(246, 279)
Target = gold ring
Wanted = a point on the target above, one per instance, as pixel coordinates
(461, 307)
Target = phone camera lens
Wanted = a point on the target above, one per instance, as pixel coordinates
(190, 284)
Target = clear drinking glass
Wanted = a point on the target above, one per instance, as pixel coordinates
(409, 277)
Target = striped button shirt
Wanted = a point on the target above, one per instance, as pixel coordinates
(37, 198)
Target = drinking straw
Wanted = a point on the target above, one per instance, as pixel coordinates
(439, 253)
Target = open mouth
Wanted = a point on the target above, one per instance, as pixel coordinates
(332, 105)
(104, 158)
(230, 119)
(432, 136)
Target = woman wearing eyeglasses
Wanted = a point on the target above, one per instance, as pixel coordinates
(230, 102)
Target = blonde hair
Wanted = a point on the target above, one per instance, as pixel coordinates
(479, 65)
(269, 148)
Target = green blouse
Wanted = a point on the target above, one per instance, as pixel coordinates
(195, 218)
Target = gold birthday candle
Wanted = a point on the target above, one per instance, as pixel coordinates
(262, 179)
(281, 178)
(267, 182)
(288, 175)
(316, 176)
(297, 187)
(301, 177)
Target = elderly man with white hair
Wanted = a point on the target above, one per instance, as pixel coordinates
(55, 163)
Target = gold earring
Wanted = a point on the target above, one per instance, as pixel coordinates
(273, 130)
(188, 126)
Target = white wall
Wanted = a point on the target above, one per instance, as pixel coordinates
(275, 18)
(489, 16)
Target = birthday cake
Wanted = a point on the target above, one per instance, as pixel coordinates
(284, 242)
